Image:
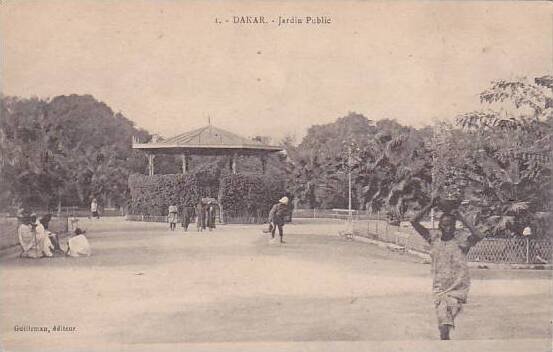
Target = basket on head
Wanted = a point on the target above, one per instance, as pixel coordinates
(447, 205)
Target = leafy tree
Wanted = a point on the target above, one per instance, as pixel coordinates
(64, 150)
(317, 174)
(24, 157)
(503, 156)
(395, 169)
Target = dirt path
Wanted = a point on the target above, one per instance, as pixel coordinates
(147, 286)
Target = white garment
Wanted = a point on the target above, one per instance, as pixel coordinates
(79, 246)
(93, 206)
(35, 243)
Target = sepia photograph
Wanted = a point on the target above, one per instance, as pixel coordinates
(256, 176)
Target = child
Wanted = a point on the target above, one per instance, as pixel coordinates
(172, 218)
(448, 249)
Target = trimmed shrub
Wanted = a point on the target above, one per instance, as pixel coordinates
(152, 195)
(247, 198)
(244, 198)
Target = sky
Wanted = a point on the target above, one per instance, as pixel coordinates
(168, 66)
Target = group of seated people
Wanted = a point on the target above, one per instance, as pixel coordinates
(37, 241)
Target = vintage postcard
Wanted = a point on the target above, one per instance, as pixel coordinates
(276, 175)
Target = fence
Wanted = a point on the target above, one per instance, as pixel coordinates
(334, 214)
(8, 230)
(157, 218)
(219, 218)
(148, 218)
(489, 250)
(516, 250)
(85, 212)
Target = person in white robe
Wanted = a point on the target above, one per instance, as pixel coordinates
(78, 245)
(33, 239)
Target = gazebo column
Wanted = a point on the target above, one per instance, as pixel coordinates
(263, 159)
(185, 163)
(232, 163)
(151, 164)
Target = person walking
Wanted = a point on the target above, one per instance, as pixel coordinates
(448, 250)
(277, 217)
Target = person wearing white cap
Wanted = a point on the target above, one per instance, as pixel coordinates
(277, 215)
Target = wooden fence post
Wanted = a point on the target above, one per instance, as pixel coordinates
(527, 250)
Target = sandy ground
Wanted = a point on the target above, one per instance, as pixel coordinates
(147, 288)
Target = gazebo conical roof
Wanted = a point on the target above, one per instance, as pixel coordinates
(207, 140)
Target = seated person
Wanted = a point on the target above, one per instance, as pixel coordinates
(35, 243)
(45, 221)
(78, 245)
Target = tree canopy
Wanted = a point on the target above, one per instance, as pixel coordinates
(67, 149)
(496, 160)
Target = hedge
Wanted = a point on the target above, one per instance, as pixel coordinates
(244, 198)
(248, 198)
(152, 195)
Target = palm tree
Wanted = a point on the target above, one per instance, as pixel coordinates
(395, 173)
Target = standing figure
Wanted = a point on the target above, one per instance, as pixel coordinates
(200, 216)
(277, 217)
(187, 216)
(172, 217)
(210, 216)
(94, 209)
(448, 249)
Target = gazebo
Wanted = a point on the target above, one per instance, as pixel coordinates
(208, 140)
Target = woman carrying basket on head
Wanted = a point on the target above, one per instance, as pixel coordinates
(448, 249)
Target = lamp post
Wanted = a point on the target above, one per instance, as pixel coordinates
(351, 149)
(435, 158)
(350, 218)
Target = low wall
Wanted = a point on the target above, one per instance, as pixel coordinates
(8, 230)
